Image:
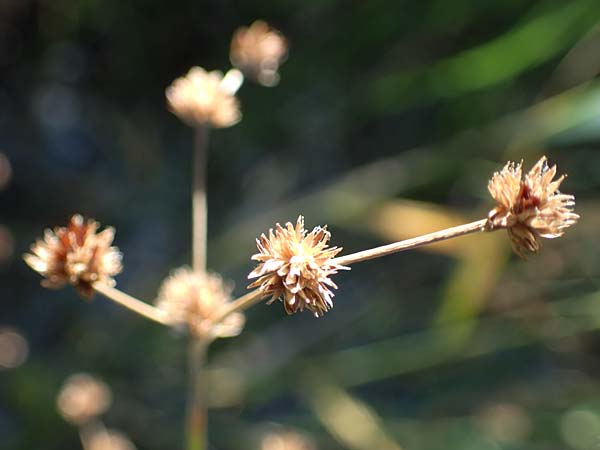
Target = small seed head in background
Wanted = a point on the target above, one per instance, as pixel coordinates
(82, 398)
(258, 51)
(77, 255)
(194, 298)
(286, 440)
(203, 98)
(295, 266)
(530, 207)
(109, 440)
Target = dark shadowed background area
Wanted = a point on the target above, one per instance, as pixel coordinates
(389, 119)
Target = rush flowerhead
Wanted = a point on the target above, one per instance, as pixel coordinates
(295, 266)
(82, 398)
(530, 207)
(204, 98)
(76, 254)
(193, 298)
(258, 51)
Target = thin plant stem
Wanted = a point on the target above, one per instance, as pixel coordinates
(239, 304)
(197, 415)
(131, 303)
(199, 208)
(255, 296)
(409, 244)
(196, 419)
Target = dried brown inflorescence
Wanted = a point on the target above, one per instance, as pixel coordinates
(295, 266)
(77, 255)
(82, 398)
(203, 98)
(530, 207)
(194, 299)
(258, 51)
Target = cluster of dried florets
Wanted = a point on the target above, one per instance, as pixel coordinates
(76, 254)
(204, 98)
(258, 51)
(193, 299)
(530, 207)
(295, 267)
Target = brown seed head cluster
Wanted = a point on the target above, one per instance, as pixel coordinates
(258, 51)
(202, 98)
(530, 207)
(194, 298)
(77, 255)
(295, 267)
(83, 397)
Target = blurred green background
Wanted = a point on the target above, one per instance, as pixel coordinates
(389, 119)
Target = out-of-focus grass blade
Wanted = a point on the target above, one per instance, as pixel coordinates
(523, 47)
(349, 420)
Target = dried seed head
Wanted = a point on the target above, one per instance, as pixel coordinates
(286, 440)
(77, 255)
(194, 298)
(109, 440)
(530, 207)
(203, 98)
(295, 267)
(258, 51)
(83, 397)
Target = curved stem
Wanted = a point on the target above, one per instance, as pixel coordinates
(131, 303)
(239, 304)
(409, 244)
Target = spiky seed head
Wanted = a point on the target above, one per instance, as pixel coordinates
(202, 98)
(76, 254)
(192, 299)
(530, 207)
(258, 51)
(295, 267)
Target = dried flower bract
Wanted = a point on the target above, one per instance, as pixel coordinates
(295, 267)
(77, 255)
(258, 51)
(83, 397)
(203, 98)
(193, 299)
(530, 207)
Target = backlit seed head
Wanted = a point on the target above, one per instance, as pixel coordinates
(258, 51)
(295, 267)
(530, 207)
(203, 98)
(192, 299)
(77, 255)
(82, 398)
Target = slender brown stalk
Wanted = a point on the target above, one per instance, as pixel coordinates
(196, 432)
(409, 244)
(199, 209)
(131, 303)
(196, 426)
(239, 304)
